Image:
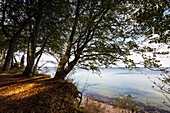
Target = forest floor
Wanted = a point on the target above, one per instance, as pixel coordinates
(38, 94)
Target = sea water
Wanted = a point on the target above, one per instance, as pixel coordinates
(117, 82)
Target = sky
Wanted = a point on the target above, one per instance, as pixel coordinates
(164, 59)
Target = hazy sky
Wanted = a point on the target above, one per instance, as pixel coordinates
(165, 59)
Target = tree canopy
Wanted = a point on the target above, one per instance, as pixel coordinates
(87, 34)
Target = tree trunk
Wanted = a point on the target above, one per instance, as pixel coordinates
(31, 52)
(30, 57)
(22, 61)
(36, 64)
(60, 73)
(30, 60)
(4, 54)
(12, 62)
(10, 53)
(29, 68)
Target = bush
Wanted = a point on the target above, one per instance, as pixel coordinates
(125, 103)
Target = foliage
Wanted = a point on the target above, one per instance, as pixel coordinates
(154, 16)
(125, 103)
(104, 33)
(101, 33)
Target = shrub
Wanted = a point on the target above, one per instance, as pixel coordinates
(125, 103)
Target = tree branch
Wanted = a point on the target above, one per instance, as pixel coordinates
(99, 54)
(45, 42)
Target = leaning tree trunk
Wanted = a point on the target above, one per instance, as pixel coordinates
(10, 53)
(60, 73)
(36, 64)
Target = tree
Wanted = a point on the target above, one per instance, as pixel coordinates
(104, 32)
(34, 33)
(47, 21)
(13, 21)
(3, 48)
(91, 36)
(34, 22)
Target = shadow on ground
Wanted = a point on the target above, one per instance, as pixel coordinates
(36, 94)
